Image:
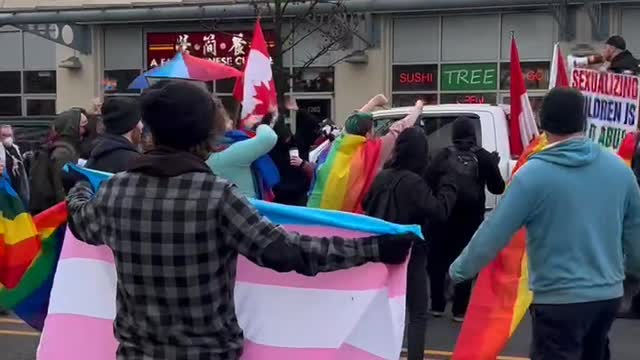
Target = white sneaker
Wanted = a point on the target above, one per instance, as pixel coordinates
(436, 314)
(458, 319)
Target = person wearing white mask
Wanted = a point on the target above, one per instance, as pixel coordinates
(14, 163)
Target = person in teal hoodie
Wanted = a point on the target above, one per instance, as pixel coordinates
(580, 205)
(236, 160)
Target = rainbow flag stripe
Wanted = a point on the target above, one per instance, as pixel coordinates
(19, 242)
(346, 175)
(501, 296)
(29, 296)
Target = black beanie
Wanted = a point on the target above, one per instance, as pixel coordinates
(617, 42)
(562, 112)
(463, 128)
(179, 114)
(120, 115)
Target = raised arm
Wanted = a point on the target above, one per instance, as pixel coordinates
(376, 101)
(271, 246)
(247, 151)
(389, 140)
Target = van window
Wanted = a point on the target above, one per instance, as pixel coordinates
(437, 127)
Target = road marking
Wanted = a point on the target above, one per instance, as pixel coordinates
(449, 354)
(19, 333)
(10, 321)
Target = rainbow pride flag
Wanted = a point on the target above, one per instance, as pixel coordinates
(345, 176)
(501, 296)
(29, 251)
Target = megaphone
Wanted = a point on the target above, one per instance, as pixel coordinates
(584, 61)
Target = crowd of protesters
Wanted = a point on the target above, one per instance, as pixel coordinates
(178, 149)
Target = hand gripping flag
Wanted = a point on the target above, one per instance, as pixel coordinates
(350, 314)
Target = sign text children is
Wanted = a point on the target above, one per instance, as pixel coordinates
(611, 104)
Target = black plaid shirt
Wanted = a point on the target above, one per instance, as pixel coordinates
(176, 241)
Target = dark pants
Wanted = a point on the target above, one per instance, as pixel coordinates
(439, 262)
(417, 298)
(572, 331)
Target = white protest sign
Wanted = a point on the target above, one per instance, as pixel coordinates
(611, 104)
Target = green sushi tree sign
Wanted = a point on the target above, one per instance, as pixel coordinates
(468, 77)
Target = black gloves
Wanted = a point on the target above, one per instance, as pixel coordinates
(495, 157)
(394, 249)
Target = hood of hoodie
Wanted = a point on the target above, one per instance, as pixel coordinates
(411, 151)
(571, 153)
(67, 126)
(109, 143)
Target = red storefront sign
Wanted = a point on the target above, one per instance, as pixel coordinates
(223, 47)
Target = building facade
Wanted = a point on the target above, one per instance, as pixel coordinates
(455, 53)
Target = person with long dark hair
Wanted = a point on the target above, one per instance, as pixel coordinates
(399, 194)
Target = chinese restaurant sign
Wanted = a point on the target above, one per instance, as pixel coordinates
(226, 48)
(611, 104)
(468, 77)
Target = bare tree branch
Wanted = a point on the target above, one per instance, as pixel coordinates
(306, 15)
(284, 7)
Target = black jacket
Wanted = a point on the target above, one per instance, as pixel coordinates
(465, 218)
(399, 194)
(113, 154)
(624, 62)
(415, 201)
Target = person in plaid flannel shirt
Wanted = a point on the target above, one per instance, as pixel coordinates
(176, 230)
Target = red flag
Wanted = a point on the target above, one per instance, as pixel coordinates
(256, 89)
(559, 76)
(522, 124)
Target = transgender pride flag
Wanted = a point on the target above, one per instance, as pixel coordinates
(354, 314)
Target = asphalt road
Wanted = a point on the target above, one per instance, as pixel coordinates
(18, 342)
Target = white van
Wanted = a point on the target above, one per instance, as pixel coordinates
(491, 130)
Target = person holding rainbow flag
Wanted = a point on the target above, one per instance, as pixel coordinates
(344, 176)
(580, 206)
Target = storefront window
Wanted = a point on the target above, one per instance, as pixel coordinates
(313, 80)
(410, 99)
(536, 75)
(41, 107)
(534, 100)
(10, 106)
(118, 81)
(469, 98)
(10, 82)
(40, 82)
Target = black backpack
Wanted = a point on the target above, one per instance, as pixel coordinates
(465, 164)
(384, 203)
(41, 172)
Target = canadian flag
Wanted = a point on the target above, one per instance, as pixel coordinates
(522, 127)
(559, 76)
(256, 90)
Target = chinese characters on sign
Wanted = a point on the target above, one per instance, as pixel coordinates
(226, 48)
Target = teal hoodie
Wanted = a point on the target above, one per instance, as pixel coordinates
(580, 205)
